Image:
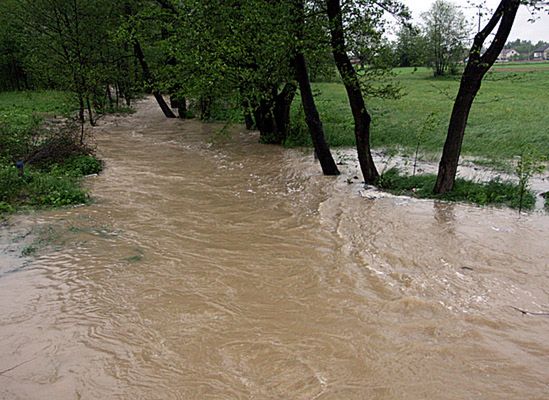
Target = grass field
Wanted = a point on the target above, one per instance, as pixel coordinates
(511, 110)
(17, 109)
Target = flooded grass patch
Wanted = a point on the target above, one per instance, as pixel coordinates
(494, 192)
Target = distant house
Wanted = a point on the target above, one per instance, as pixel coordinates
(540, 54)
(507, 55)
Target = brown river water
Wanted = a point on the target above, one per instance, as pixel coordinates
(218, 268)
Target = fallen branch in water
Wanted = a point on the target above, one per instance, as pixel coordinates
(16, 366)
(525, 312)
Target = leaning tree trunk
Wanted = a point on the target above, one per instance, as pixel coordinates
(322, 150)
(312, 118)
(477, 66)
(354, 93)
(150, 80)
(458, 122)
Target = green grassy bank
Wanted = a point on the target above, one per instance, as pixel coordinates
(509, 112)
(54, 159)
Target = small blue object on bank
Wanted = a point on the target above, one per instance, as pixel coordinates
(20, 165)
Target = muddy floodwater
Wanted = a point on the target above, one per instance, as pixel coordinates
(213, 267)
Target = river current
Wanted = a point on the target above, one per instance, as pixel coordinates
(213, 267)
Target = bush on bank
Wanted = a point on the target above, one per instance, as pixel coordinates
(54, 153)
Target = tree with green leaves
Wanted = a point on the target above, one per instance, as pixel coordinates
(446, 32)
(13, 74)
(69, 46)
(480, 61)
(410, 48)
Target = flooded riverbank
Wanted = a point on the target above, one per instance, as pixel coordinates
(214, 268)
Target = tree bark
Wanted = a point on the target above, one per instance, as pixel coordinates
(272, 114)
(471, 80)
(361, 116)
(266, 123)
(282, 109)
(150, 80)
(312, 118)
(322, 150)
(182, 108)
(109, 96)
(90, 112)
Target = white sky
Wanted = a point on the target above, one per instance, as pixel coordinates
(522, 29)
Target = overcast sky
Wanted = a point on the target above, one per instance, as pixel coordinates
(522, 29)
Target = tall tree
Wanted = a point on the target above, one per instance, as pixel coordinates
(478, 64)
(362, 118)
(411, 47)
(360, 26)
(446, 31)
(312, 117)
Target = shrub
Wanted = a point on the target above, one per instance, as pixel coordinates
(49, 190)
(78, 166)
(298, 132)
(10, 184)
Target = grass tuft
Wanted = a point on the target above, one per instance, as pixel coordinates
(494, 192)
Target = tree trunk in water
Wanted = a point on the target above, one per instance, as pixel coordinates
(477, 66)
(248, 114)
(205, 108)
(90, 114)
(272, 115)
(149, 79)
(354, 93)
(109, 96)
(117, 93)
(249, 120)
(81, 109)
(312, 118)
(174, 103)
(447, 168)
(182, 108)
(282, 109)
(266, 123)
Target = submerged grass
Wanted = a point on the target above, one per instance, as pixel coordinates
(494, 192)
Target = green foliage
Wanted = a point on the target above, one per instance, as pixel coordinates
(54, 191)
(445, 33)
(78, 166)
(10, 184)
(428, 127)
(6, 208)
(531, 162)
(411, 48)
(298, 135)
(494, 192)
(55, 157)
(38, 189)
